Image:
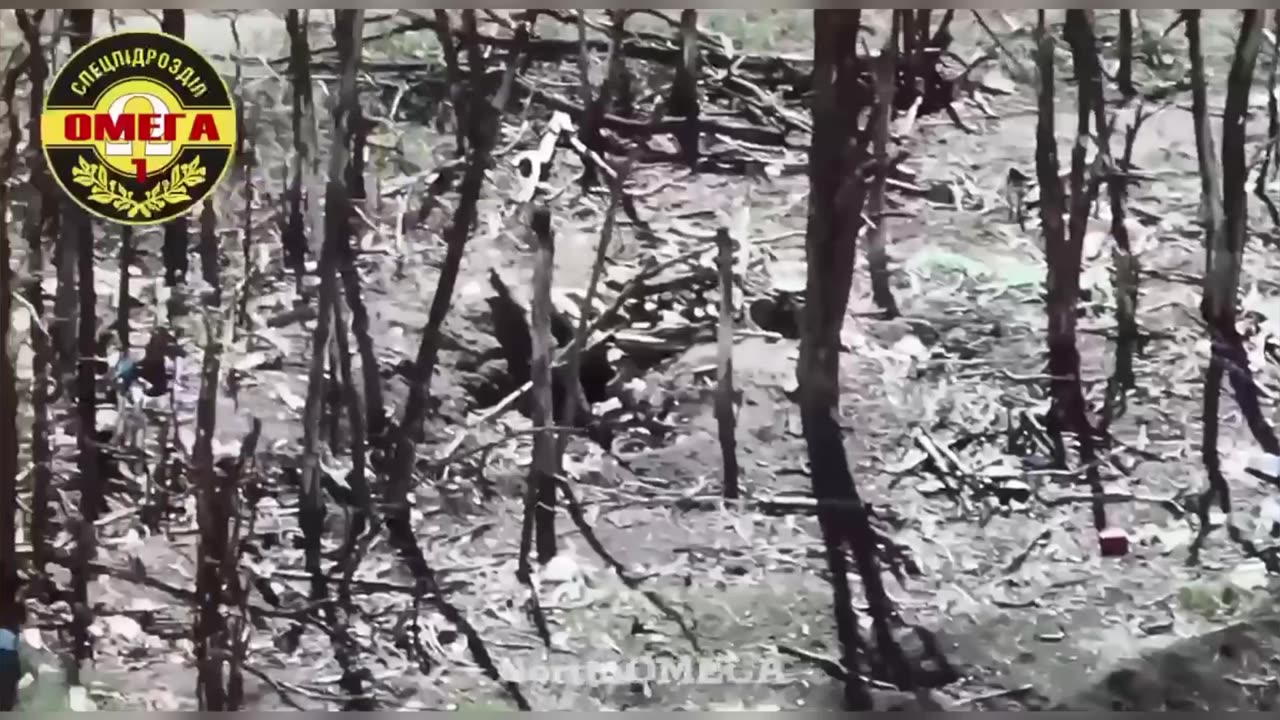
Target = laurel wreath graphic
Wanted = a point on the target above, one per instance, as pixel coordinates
(107, 190)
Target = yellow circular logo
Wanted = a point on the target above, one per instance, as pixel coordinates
(138, 127)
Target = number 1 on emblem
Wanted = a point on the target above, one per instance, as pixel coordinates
(140, 169)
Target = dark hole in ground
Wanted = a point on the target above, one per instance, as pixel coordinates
(780, 313)
(607, 364)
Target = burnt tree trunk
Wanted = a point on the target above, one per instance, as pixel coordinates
(1225, 256)
(125, 261)
(1127, 268)
(77, 242)
(1124, 47)
(294, 235)
(348, 32)
(453, 75)
(837, 193)
(42, 211)
(540, 497)
(75, 223)
(10, 603)
(589, 128)
(404, 436)
(211, 627)
(1068, 411)
(177, 231)
(885, 74)
(726, 417)
(684, 90)
(482, 126)
(1224, 208)
(311, 510)
(1225, 251)
(1270, 163)
(210, 255)
(375, 408)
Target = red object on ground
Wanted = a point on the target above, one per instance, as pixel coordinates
(1113, 542)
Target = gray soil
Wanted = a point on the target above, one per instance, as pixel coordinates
(1023, 603)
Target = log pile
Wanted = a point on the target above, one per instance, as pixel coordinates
(758, 100)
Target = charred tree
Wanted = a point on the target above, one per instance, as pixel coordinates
(177, 232)
(1224, 207)
(1270, 159)
(837, 193)
(1211, 218)
(211, 640)
(42, 212)
(619, 81)
(246, 160)
(453, 76)
(358, 132)
(725, 411)
(210, 255)
(885, 74)
(348, 32)
(77, 243)
(483, 131)
(1128, 335)
(596, 107)
(1225, 250)
(11, 610)
(1124, 262)
(125, 260)
(294, 236)
(177, 241)
(540, 495)
(371, 421)
(74, 225)
(1124, 47)
(375, 421)
(684, 89)
(574, 407)
(904, 22)
(401, 442)
(1064, 246)
(593, 112)
(232, 506)
(174, 22)
(312, 511)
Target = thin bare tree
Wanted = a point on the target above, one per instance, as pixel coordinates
(42, 213)
(177, 232)
(305, 160)
(77, 242)
(725, 406)
(540, 499)
(348, 33)
(1064, 245)
(1124, 48)
(73, 226)
(837, 155)
(684, 89)
(11, 612)
(210, 632)
(885, 75)
(1224, 207)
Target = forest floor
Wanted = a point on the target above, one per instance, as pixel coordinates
(1025, 606)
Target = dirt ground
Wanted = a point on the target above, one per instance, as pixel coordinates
(1025, 607)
